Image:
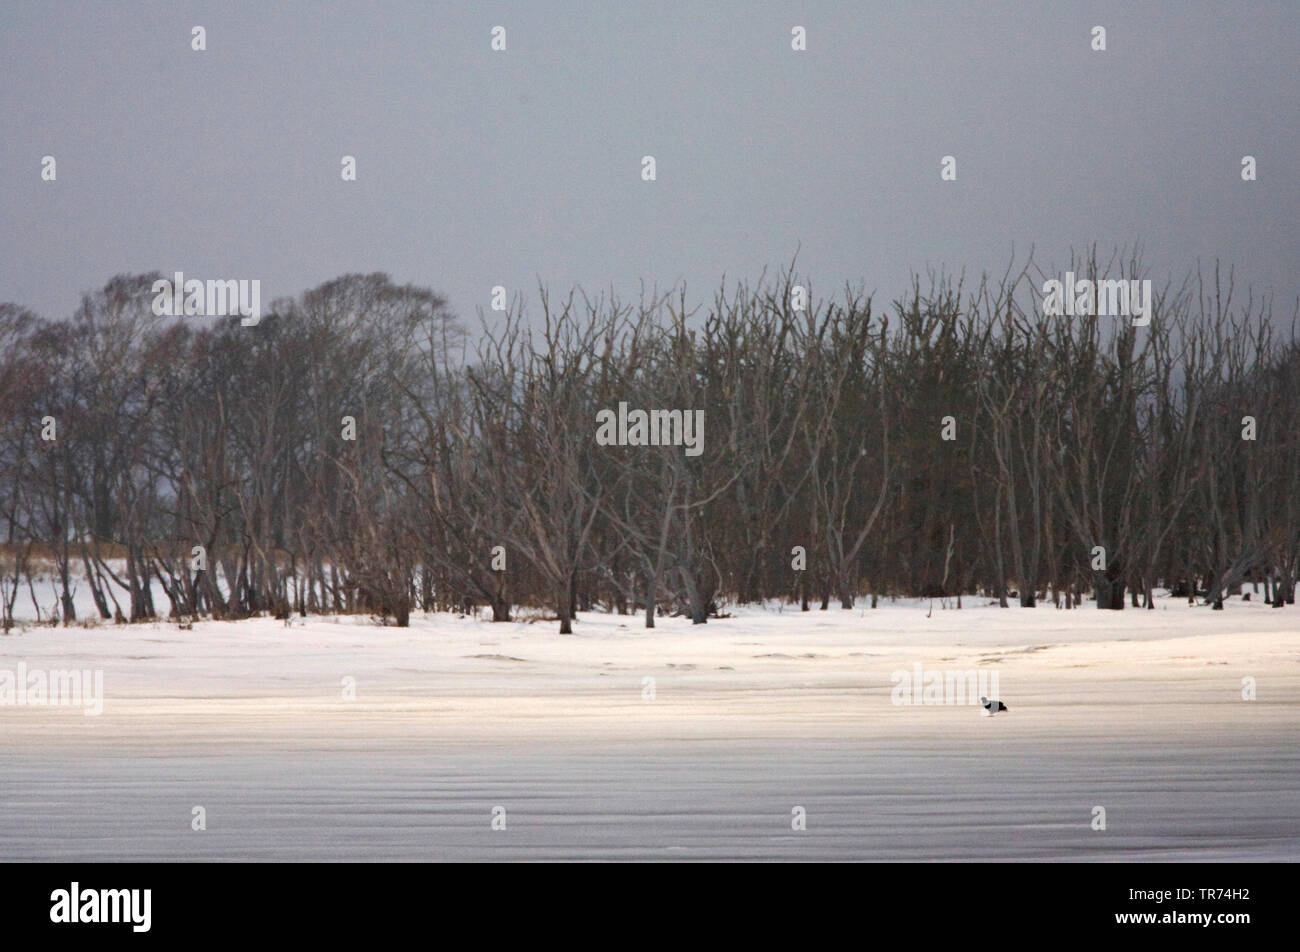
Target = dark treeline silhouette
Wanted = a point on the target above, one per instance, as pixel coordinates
(358, 451)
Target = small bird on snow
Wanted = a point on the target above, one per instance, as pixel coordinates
(992, 707)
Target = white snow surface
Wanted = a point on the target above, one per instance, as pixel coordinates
(1140, 712)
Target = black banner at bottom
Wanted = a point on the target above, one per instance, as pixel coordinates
(945, 902)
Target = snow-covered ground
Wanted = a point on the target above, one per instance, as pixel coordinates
(1139, 712)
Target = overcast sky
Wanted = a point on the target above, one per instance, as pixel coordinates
(477, 168)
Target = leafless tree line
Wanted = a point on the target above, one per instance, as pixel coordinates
(359, 451)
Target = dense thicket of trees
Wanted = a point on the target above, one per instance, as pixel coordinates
(824, 428)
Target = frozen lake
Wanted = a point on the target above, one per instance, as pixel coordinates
(751, 717)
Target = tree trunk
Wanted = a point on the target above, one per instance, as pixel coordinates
(564, 608)
(846, 591)
(1108, 587)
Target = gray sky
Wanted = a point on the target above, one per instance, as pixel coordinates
(478, 168)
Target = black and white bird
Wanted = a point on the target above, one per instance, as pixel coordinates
(992, 707)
